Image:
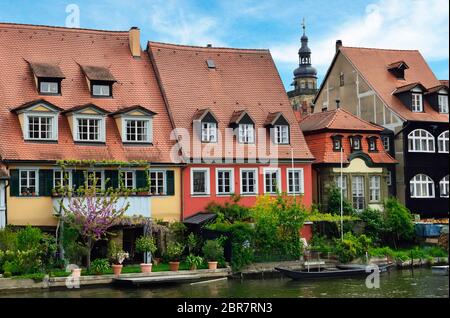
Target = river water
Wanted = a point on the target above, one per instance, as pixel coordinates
(401, 284)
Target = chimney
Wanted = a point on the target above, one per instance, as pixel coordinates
(134, 36)
(338, 45)
(338, 101)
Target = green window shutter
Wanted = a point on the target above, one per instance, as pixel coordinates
(14, 183)
(141, 179)
(45, 182)
(113, 176)
(78, 178)
(170, 182)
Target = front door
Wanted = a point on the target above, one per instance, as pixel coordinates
(358, 192)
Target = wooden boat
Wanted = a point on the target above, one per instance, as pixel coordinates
(353, 270)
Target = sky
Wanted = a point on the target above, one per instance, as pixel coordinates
(267, 24)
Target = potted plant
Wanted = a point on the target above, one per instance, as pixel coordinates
(117, 256)
(174, 251)
(194, 261)
(146, 245)
(142, 191)
(213, 251)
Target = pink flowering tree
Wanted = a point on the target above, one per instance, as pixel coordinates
(93, 213)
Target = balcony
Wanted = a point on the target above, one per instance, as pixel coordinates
(139, 205)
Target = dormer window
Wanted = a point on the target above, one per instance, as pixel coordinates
(355, 143)
(416, 105)
(279, 128)
(244, 125)
(136, 123)
(443, 103)
(205, 123)
(39, 120)
(100, 80)
(47, 77)
(88, 123)
(398, 69)
(337, 142)
(372, 143)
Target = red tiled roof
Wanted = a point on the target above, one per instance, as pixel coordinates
(337, 119)
(69, 48)
(372, 63)
(46, 70)
(444, 82)
(321, 145)
(242, 79)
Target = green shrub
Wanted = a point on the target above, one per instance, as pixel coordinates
(178, 231)
(192, 243)
(73, 248)
(375, 225)
(399, 221)
(29, 238)
(334, 202)
(21, 262)
(212, 250)
(7, 274)
(146, 244)
(230, 212)
(8, 239)
(194, 261)
(351, 247)
(100, 266)
(320, 243)
(174, 251)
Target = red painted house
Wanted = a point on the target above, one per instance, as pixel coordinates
(235, 127)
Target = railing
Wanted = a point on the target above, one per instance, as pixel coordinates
(138, 205)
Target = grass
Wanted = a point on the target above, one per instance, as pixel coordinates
(407, 254)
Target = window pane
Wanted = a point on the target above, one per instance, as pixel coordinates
(199, 181)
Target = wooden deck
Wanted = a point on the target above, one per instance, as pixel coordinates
(171, 277)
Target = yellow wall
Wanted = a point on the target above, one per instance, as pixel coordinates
(169, 207)
(358, 165)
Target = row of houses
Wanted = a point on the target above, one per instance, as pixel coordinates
(179, 126)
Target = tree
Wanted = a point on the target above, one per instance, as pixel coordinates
(399, 221)
(93, 214)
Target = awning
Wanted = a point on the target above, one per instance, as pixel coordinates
(200, 218)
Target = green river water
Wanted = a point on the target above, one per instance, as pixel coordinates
(399, 284)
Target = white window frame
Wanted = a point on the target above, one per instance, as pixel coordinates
(301, 181)
(255, 184)
(101, 127)
(123, 178)
(208, 131)
(443, 103)
(246, 133)
(374, 189)
(36, 179)
(102, 93)
(421, 180)
(357, 194)
(337, 181)
(416, 102)
(54, 124)
(279, 130)
(207, 182)
(102, 177)
(372, 142)
(149, 127)
(443, 142)
(279, 185)
(386, 143)
(69, 175)
(229, 170)
(420, 135)
(163, 172)
(444, 187)
(389, 178)
(48, 91)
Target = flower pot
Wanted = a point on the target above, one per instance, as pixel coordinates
(174, 266)
(117, 269)
(146, 267)
(76, 272)
(212, 265)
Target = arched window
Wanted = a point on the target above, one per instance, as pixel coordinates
(421, 186)
(443, 186)
(420, 140)
(443, 142)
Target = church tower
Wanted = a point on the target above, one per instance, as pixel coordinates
(305, 78)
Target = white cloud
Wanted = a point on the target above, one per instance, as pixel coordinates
(394, 24)
(176, 25)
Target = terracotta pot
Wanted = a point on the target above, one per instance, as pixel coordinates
(76, 272)
(212, 265)
(174, 266)
(146, 267)
(117, 269)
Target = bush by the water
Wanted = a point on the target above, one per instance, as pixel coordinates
(352, 247)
